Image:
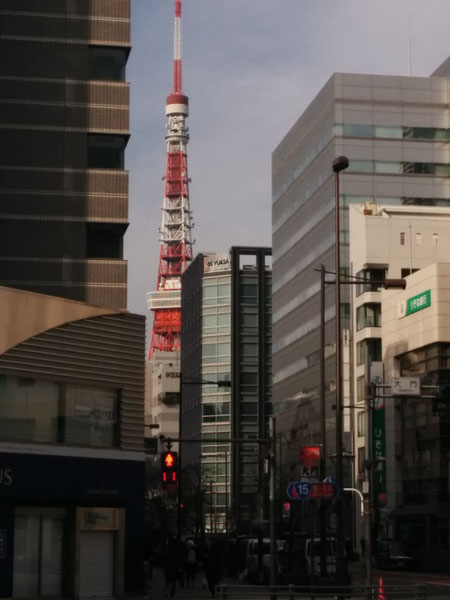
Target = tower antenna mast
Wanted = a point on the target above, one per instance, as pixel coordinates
(175, 232)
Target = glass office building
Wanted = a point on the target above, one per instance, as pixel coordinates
(226, 337)
(394, 130)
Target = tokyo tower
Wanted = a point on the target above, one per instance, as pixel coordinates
(175, 232)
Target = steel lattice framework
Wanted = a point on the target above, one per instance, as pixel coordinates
(175, 233)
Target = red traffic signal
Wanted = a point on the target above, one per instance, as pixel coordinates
(169, 467)
(310, 456)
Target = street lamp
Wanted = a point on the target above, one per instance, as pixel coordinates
(339, 164)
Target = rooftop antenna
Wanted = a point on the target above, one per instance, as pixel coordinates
(409, 45)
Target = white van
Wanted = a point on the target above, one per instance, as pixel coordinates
(316, 550)
(252, 562)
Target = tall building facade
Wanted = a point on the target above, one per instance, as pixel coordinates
(416, 345)
(386, 242)
(226, 337)
(64, 124)
(394, 130)
(71, 355)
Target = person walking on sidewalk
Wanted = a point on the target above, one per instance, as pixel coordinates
(190, 563)
(171, 564)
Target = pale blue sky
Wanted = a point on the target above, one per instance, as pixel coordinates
(250, 69)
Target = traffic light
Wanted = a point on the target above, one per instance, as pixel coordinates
(169, 468)
(310, 456)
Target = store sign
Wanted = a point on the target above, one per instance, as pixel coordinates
(379, 453)
(219, 262)
(104, 519)
(414, 304)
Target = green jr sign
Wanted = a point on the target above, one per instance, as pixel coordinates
(415, 303)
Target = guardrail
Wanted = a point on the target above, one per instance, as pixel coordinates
(291, 592)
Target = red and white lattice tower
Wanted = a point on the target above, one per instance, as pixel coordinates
(175, 233)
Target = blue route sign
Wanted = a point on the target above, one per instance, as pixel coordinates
(305, 490)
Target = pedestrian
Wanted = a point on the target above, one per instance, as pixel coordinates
(190, 563)
(362, 543)
(212, 568)
(349, 548)
(171, 566)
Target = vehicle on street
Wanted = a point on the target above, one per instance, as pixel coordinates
(391, 554)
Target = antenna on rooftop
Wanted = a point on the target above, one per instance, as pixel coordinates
(409, 45)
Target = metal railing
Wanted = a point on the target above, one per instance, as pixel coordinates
(291, 592)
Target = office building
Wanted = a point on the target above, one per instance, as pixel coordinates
(64, 125)
(394, 131)
(416, 342)
(71, 356)
(226, 336)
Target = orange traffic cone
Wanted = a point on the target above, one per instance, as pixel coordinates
(381, 595)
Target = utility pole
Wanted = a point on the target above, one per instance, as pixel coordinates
(368, 401)
(323, 431)
(273, 532)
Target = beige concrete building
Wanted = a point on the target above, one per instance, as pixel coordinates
(416, 344)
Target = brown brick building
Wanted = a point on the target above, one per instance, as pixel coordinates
(64, 125)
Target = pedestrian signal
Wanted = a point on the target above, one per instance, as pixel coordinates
(169, 468)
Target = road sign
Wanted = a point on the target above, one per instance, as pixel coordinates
(405, 386)
(330, 479)
(305, 490)
(299, 490)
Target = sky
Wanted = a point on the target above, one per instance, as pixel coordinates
(250, 68)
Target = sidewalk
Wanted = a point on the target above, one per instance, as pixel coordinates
(198, 592)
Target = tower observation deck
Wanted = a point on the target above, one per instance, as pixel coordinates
(175, 232)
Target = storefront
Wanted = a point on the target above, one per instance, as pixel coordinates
(70, 526)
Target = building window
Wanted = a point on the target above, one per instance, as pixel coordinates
(104, 240)
(360, 388)
(406, 272)
(216, 290)
(368, 315)
(216, 352)
(374, 348)
(418, 239)
(402, 238)
(106, 151)
(107, 64)
(435, 239)
(361, 423)
(370, 280)
(34, 410)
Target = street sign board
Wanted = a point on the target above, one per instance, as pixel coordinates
(305, 490)
(405, 386)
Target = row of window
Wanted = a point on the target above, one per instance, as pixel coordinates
(106, 151)
(398, 167)
(33, 410)
(383, 131)
(418, 238)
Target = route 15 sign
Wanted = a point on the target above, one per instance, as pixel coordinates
(305, 490)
